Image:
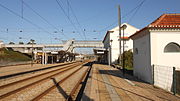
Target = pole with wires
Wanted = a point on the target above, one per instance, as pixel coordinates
(123, 58)
(22, 8)
(119, 23)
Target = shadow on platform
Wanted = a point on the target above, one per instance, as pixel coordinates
(145, 97)
(119, 73)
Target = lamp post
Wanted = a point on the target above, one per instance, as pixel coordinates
(119, 23)
(110, 51)
(123, 27)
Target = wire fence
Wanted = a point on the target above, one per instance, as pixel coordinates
(166, 77)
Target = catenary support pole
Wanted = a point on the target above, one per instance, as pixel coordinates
(43, 56)
(119, 23)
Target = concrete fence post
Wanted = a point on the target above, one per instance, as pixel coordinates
(153, 74)
(174, 80)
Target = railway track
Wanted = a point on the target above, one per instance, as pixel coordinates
(34, 70)
(36, 87)
(49, 72)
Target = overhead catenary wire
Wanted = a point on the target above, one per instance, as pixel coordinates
(136, 8)
(25, 19)
(6, 30)
(68, 7)
(83, 31)
(22, 8)
(132, 10)
(108, 26)
(14, 35)
(43, 18)
(59, 4)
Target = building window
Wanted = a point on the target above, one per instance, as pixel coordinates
(172, 47)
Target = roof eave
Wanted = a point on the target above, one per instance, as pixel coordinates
(106, 35)
(137, 33)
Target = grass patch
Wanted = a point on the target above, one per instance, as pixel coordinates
(129, 68)
(12, 56)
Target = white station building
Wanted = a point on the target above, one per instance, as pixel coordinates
(111, 42)
(157, 44)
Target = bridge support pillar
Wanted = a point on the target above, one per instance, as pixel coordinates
(45, 58)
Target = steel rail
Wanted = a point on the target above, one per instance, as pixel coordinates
(19, 89)
(77, 85)
(30, 71)
(13, 83)
(54, 86)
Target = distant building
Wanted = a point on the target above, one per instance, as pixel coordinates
(111, 41)
(157, 44)
(1, 44)
(101, 55)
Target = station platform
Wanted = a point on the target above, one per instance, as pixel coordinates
(106, 83)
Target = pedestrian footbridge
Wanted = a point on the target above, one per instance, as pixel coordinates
(68, 46)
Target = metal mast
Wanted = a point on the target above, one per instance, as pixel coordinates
(119, 22)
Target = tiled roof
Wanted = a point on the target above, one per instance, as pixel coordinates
(164, 21)
(167, 21)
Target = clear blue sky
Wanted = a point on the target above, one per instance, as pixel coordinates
(95, 16)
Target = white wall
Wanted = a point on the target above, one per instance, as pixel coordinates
(127, 33)
(115, 43)
(141, 59)
(163, 71)
(128, 45)
(151, 51)
(114, 46)
(159, 40)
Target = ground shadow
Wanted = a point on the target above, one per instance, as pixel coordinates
(81, 95)
(145, 97)
(88, 64)
(120, 74)
(65, 95)
(85, 98)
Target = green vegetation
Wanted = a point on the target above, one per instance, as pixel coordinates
(12, 56)
(11, 43)
(128, 58)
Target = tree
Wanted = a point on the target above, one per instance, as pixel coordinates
(11, 42)
(32, 41)
(128, 59)
(21, 43)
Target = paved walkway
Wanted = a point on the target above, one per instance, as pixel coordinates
(108, 84)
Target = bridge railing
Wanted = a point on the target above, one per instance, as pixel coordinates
(75, 44)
